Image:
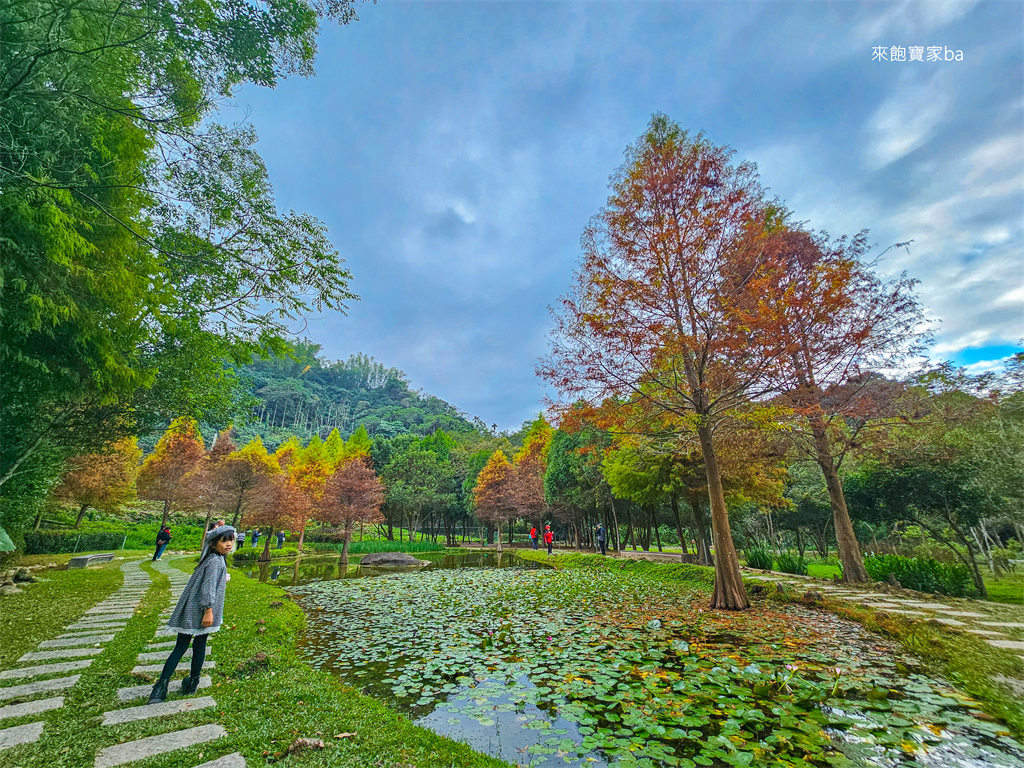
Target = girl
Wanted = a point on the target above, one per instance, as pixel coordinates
(199, 611)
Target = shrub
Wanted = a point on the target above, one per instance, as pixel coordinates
(789, 563)
(921, 573)
(759, 557)
(60, 542)
(383, 545)
(251, 554)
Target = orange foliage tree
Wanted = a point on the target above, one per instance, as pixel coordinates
(494, 492)
(165, 474)
(353, 494)
(649, 324)
(527, 480)
(243, 477)
(827, 320)
(101, 480)
(309, 468)
(281, 507)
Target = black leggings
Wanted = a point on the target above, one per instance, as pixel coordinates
(198, 655)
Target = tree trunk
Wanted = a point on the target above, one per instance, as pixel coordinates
(700, 523)
(302, 535)
(654, 522)
(849, 550)
(81, 516)
(674, 501)
(265, 557)
(968, 559)
(982, 545)
(39, 521)
(799, 542)
(346, 538)
(167, 512)
(238, 513)
(729, 594)
(615, 527)
(206, 524)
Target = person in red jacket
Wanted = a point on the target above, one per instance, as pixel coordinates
(533, 536)
(549, 537)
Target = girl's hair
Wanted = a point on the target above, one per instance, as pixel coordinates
(226, 536)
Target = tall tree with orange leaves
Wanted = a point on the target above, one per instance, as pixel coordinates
(494, 492)
(827, 321)
(282, 507)
(165, 474)
(353, 494)
(649, 322)
(101, 480)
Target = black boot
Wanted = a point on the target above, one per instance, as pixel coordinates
(159, 692)
(189, 685)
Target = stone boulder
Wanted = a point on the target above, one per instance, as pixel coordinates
(24, 576)
(391, 560)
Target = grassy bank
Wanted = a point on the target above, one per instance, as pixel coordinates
(966, 660)
(266, 695)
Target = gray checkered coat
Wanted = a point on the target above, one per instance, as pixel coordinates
(204, 590)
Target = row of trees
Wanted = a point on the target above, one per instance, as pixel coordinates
(703, 319)
(142, 254)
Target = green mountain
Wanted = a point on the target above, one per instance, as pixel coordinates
(306, 394)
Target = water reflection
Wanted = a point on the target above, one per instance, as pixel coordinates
(312, 569)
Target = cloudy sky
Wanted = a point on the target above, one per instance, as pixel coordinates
(457, 150)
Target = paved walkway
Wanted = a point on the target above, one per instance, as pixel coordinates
(32, 688)
(979, 618)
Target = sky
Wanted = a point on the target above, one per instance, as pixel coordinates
(457, 150)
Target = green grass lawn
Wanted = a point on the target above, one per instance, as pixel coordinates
(819, 571)
(266, 695)
(1007, 588)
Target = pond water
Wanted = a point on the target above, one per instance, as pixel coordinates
(543, 668)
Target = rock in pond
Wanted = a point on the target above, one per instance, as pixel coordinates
(391, 560)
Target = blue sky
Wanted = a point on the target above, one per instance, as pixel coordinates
(457, 150)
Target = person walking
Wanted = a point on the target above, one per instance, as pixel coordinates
(241, 539)
(198, 614)
(280, 539)
(255, 537)
(533, 536)
(163, 538)
(601, 538)
(549, 537)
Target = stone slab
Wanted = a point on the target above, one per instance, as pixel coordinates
(882, 606)
(120, 616)
(133, 751)
(968, 614)
(234, 760)
(905, 612)
(164, 645)
(1009, 624)
(44, 669)
(96, 626)
(31, 689)
(935, 606)
(149, 669)
(1012, 645)
(142, 691)
(31, 707)
(65, 642)
(64, 653)
(948, 622)
(158, 655)
(100, 611)
(20, 734)
(163, 709)
(76, 631)
(986, 632)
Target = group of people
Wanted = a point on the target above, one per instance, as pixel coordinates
(600, 536)
(163, 538)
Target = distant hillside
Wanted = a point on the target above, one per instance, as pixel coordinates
(311, 395)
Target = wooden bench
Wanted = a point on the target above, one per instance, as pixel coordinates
(84, 561)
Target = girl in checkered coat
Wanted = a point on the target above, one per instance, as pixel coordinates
(199, 612)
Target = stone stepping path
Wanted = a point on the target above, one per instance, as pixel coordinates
(20, 734)
(132, 751)
(44, 669)
(96, 627)
(163, 709)
(142, 691)
(31, 707)
(176, 704)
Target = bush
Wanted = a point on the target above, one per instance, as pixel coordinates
(60, 542)
(921, 573)
(383, 545)
(788, 563)
(250, 554)
(759, 557)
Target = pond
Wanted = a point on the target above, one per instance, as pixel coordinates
(586, 667)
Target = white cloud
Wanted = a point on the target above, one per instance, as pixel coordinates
(905, 121)
(985, 366)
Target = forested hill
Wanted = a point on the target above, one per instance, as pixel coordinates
(307, 394)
